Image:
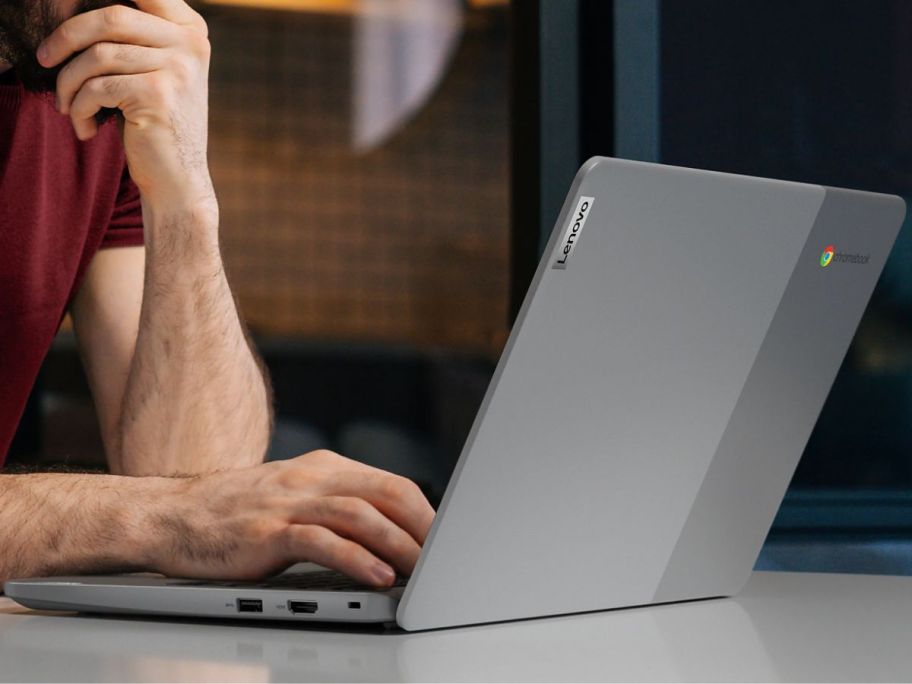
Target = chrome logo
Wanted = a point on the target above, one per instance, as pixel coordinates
(827, 257)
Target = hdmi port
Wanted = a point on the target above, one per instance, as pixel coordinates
(298, 607)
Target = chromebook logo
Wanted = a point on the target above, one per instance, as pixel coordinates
(830, 255)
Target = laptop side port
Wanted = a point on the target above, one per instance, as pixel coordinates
(249, 605)
(354, 605)
(298, 607)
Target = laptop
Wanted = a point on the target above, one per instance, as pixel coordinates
(666, 368)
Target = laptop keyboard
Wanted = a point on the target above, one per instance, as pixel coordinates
(320, 580)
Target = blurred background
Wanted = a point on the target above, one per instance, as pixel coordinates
(389, 170)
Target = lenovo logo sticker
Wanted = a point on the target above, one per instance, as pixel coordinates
(571, 235)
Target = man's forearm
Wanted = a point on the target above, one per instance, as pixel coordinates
(196, 399)
(56, 524)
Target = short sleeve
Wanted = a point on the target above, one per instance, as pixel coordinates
(126, 226)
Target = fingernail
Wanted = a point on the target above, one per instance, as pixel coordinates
(384, 574)
(42, 53)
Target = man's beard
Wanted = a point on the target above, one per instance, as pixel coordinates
(23, 25)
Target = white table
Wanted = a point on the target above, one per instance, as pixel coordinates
(784, 626)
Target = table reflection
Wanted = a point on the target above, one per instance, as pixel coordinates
(660, 643)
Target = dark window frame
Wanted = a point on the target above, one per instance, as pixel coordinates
(559, 119)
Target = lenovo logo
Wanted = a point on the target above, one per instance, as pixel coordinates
(571, 235)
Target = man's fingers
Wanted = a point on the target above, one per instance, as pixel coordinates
(120, 92)
(177, 11)
(324, 547)
(113, 92)
(105, 59)
(357, 520)
(398, 498)
(115, 24)
(103, 91)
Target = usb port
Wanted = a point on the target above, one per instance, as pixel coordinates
(297, 607)
(249, 606)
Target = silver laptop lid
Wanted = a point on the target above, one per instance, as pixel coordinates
(669, 362)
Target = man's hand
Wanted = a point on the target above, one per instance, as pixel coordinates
(240, 524)
(321, 507)
(152, 64)
(192, 397)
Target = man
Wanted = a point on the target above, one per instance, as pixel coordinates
(181, 398)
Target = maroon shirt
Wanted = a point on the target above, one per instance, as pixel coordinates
(60, 201)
